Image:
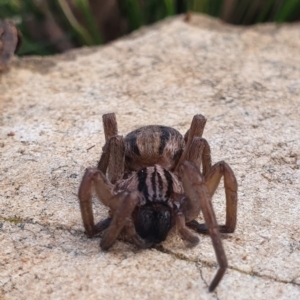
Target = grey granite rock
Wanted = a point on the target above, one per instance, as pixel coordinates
(246, 81)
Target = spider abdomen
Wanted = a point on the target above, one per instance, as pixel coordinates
(152, 145)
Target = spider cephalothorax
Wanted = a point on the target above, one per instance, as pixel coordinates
(153, 215)
(151, 181)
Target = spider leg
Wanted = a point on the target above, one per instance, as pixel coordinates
(102, 225)
(198, 153)
(196, 148)
(126, 203)
(136, 239)
(93, 178)
(110, 129)
(113, 152)
(197, 127)
(110, 125)
(196, 191)
(117, 158)
(184, 231)
(212, 181)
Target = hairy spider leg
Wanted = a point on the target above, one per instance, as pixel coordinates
(190, 208)
(196, 128)
(198, 153)
(103, 187)
(121, 206)
(212, 180)
(110, 127)
(184, 231)
(124, 204)
(196, 190)
(113, 153)
(189, 153)
(195, 152)
(116, 158)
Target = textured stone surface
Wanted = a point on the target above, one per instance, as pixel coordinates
(246, 81)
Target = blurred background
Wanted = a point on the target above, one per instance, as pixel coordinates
(53, 26)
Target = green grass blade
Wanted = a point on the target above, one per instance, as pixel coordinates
(265, 11)
(133, 12)
(200, 6)
(252, 11)
(170, 7)
(240, 11)
(30, 47)
(288, 9)
(83, 34)
(85, 9)
(276, 6)
(12, 5)
(214, 7)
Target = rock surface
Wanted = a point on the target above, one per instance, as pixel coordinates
(246, 81)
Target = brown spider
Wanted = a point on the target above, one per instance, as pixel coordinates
(153, 183)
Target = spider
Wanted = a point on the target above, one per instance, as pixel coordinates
(151, 181)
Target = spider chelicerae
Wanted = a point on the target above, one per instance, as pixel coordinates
(151, 181)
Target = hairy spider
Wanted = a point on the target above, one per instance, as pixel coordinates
(151, 181)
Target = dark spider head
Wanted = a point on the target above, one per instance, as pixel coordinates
(153, 222)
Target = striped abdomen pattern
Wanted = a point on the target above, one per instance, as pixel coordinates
(155, 183)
